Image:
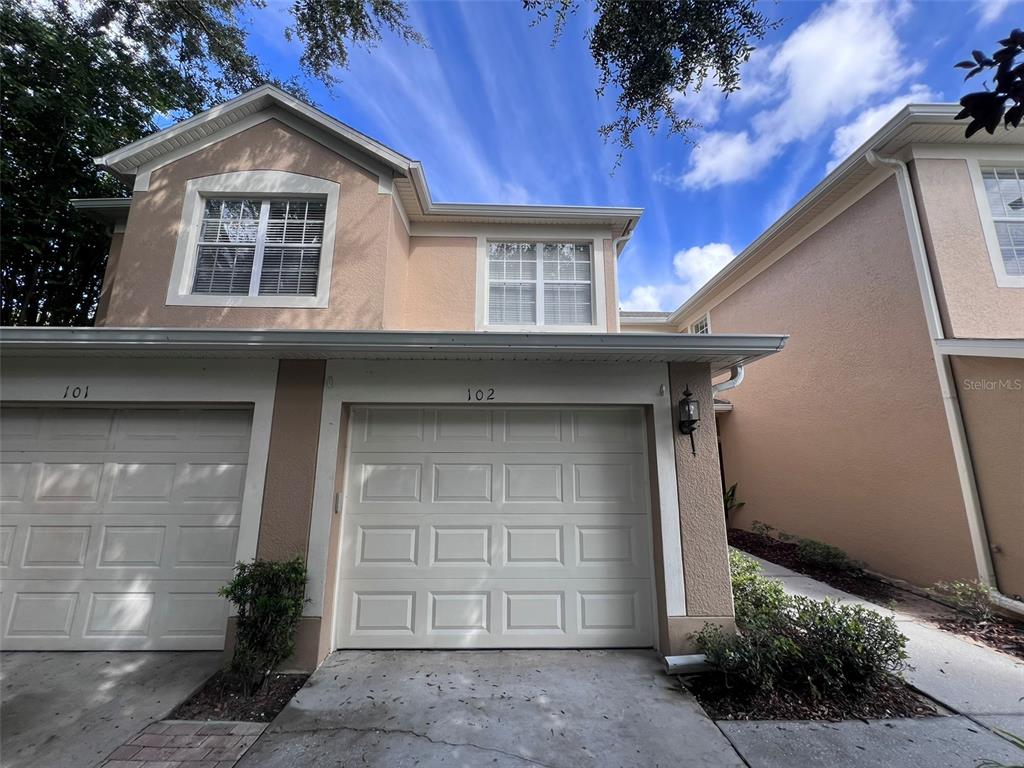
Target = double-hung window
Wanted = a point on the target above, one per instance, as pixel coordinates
(1004, 188)
(259, 247)
(540, 283)
(701, 326)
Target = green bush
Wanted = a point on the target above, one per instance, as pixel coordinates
(798, 646)
(971, 598)
(823, 555)
(268, 597)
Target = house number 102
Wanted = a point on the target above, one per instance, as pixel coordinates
(479, 395)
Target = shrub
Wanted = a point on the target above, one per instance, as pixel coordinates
(971, 598)
(823, 555)
(731, 505)
(268, 597)
(799, 646)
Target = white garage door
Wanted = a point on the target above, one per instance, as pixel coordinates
(118, 526)
(496, 528)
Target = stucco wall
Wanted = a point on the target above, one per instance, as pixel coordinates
(441, 285)
(360, 245)
(702, 521)
(991, 394)
(113, 255)
(397, 269)
(972, 305)
(291, 461)
(842, 436)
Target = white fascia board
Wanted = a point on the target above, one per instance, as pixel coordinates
(124, 159)
(981, 347)
(719, 350)
(590, 213)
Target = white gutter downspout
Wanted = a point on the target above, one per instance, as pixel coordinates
(615, 279)
(735, 379)
(951, 404)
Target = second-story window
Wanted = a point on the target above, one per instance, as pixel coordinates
(701, 326)
(539, 283)
(259, 247)
(1004, 188)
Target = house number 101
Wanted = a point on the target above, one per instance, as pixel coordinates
(479, 395)
(76, 393)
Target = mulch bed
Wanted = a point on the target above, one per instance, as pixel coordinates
(784, 553)
(1002, 634)
(221, 699)
(896, 699)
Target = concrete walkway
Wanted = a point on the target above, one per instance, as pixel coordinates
(71, 709)
(981, 687)
(501, 709)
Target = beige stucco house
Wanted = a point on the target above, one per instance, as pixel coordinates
(299, 352)
(893, 425)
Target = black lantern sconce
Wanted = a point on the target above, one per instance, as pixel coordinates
(689, 416)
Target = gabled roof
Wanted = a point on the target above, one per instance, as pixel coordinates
(407, 175)
(913, 125)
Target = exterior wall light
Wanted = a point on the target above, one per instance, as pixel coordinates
(689, 416)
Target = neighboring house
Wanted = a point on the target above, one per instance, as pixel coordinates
(298, 352)
(893, 425)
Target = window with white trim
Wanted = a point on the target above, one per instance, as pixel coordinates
(1004, 188)
(259, 247)
(540, 283)
(701, 326)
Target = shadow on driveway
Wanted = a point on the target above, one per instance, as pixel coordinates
(70, 709)
(500, 709)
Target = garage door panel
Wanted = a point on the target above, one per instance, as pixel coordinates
(126, 429)
(113, 547)
(465, 429)
(490, 483)
(490, 613)
(514, 546)
(126, 544)
(131, 614)
(458, 533)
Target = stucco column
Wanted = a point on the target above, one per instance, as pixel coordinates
(288, 489)
(706, 580)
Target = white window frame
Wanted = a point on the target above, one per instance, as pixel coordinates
(706, 319)
(599, 313)
(988, 223)
(254, 184)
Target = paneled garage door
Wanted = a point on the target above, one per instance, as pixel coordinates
(491, 528)
(118, 525)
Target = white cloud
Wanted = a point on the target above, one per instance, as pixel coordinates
(693, 267)
(845, 55)
(991, 10)
(721, 158)
(850, 136)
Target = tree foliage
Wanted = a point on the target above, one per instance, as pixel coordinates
(1004, 103)
(83, 79)
(651, 53)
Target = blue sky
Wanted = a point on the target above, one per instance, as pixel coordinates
(497, 114)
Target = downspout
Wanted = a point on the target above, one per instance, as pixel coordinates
(951, 404)
(615, 277)
(734, 380)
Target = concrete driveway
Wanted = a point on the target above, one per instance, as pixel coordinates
(72, 709)
(502, 709)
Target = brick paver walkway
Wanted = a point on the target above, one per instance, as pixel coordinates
(186, 744)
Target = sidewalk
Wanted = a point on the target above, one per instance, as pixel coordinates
(981, 687)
